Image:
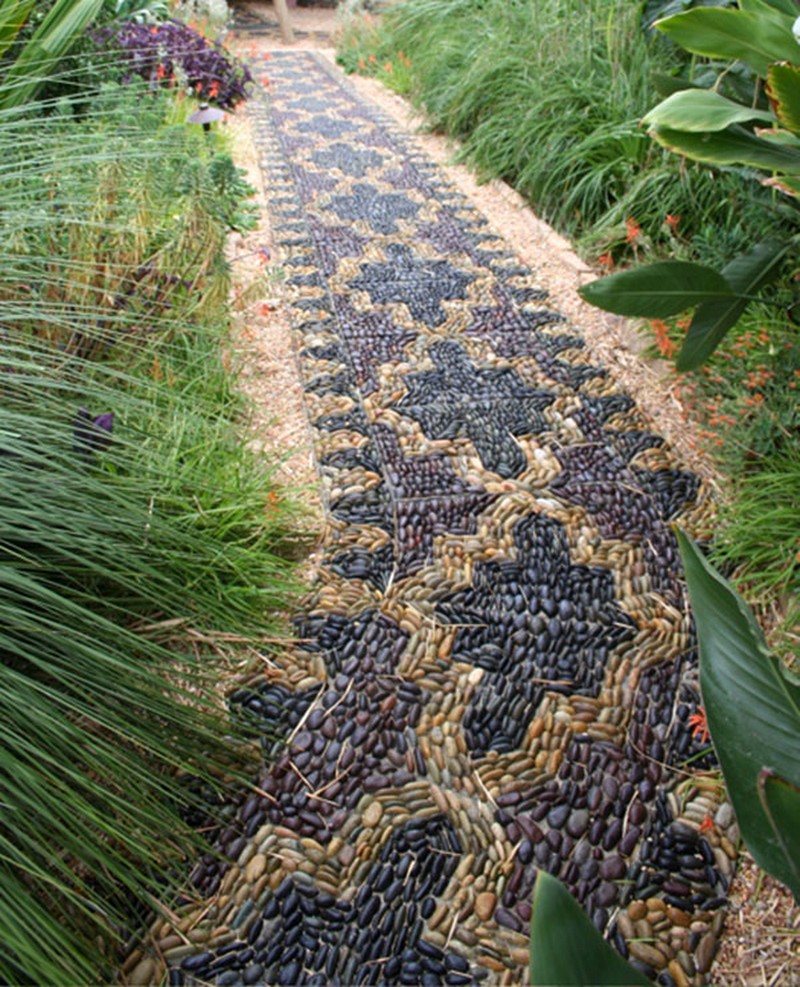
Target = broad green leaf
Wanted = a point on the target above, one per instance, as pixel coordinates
(13, 15)
(783, 84)
(658, 290)
(777, 9)
(790, 186)
(780, 800)
(752, 707)
(700, 110)
(780, 136)
(734, 146)
(746, 274)
(566, 949)
(736, 34)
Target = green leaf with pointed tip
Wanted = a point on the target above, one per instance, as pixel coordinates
(776, 9)
(737, 34)
(746, 274)
(566, 949)
(658, 290)
(789, 186)
(783, 82)
(700, 110)
(780, 800)
(734, 146)
(752, 707)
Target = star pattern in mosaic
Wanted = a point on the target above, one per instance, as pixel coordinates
(487, 406)
(422, 285)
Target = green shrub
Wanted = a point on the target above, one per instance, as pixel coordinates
(136, 525)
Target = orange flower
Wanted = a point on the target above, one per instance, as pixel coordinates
(634, 230)
(161, 72)
(362, 64)
(672, 222)
(699, 725)
(387, 67)
(666, 346)
(372, 59)
(606, 260)
(706, 825)
(213, 89)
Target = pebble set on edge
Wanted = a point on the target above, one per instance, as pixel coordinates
(496, 669)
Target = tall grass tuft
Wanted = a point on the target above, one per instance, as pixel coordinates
(135, 523)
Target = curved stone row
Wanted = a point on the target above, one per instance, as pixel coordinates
(495, 670)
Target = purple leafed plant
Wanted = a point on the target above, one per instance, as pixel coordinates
(160, 53)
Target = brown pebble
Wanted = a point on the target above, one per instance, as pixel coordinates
(675, 970)
(704, 954)
(485, 905)
(143, 972)
(372, 815)
(637, 910)
(678, 917)
(255, 868)
(648, 954)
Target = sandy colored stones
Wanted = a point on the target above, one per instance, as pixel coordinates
(484, 905)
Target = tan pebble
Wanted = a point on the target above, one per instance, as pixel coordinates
(637, 910)
(335, 846)
(143, 972)
(466, 936)
(246, 854)
(642, 929)
(675, 970)
(179, 952)
(131, 960)
(373, 815)
(704, 953)
(289, 864)
(728, 847)
(678, 917)
(625, 925)
(484, 905)
(347, 855)
(255, 868)
(438, 916)
(169, 942)
(655, 905)
(490, 963)
(520, 956)
(261, 885)
(687, 963)
(198, 935)
(648, 954)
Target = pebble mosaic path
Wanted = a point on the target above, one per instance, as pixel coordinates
(496, 670)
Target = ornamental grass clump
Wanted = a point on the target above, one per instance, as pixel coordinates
(140, 536)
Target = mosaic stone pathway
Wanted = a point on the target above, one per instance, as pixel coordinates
(495, 671)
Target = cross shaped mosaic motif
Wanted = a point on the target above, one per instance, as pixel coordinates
(487, 406)
(420, 284)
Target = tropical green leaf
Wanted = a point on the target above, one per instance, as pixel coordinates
(734, 146)
(700, 110)
(780, 800)
(790, 186)
(746, 274)
(783, 83)
(736, 34)
(777, 9)
(658, 290)
(752, 707)
(13, 14)
(566, 949)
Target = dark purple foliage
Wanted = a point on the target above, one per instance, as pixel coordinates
(156, 51)
(90, 435)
